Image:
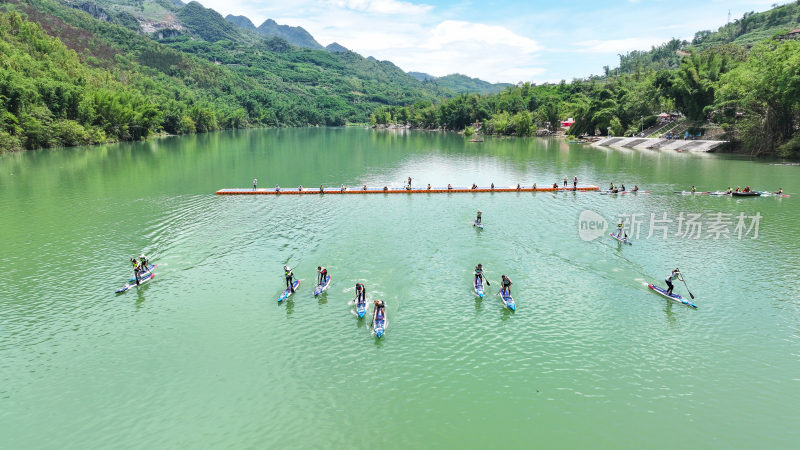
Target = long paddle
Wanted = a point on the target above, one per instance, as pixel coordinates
(687, 289)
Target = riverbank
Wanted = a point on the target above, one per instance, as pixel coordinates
(678, 145)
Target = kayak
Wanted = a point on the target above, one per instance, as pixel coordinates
(288, 293)
(478, 286)
(746, 194)
(143, 278)
(508, 301)
(323, 287)
(623, 240)
(361, 308)
(379, 325)
(673, 297)
(477, 224)
(636, 192)
(719, 193)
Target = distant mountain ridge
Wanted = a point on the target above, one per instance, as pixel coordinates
(296, 36)
(462, 84)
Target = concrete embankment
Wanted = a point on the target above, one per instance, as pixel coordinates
(660, 144)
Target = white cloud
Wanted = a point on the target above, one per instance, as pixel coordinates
(412, 35)
(383, 6)
(476, 35)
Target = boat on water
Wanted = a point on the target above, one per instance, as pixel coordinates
(746, 194)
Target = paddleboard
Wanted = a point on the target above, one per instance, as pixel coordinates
(508, 301)
(379, 326)
(288, 293)
(478, 286)
(322, 287)
(623, 240)
(361, 308)
(674, 297)
(143, 278)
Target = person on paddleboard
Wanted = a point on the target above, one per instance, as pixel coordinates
(361, 293)
(255, 183)
(622, 188)
(729, 191)
(380, 311)
(635, 188)
(505, 285)
(287, 272)
(694, 189)
(322, 274)
(566, 180)
(474, 186)
(429, 186)
(143, 263)
(136, 269)
(408, 185)
(277, 188)
(780, 191)
(478, 220)
(674, 275)
(478, 274)
(575, 183)
(620, 231)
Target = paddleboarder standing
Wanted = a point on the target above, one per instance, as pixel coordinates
(674, 275)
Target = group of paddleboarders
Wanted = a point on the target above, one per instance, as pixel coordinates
(738, 189)
(617, 189)
(505, 283)
(140, 267)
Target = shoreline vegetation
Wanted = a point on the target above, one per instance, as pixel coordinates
(750, 98)
(68, 79)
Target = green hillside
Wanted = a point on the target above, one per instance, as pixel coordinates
(737, 36)
(462, 84)
(77, 79)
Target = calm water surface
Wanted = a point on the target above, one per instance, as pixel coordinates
(204, 356)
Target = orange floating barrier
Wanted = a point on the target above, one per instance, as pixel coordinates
(438, 190)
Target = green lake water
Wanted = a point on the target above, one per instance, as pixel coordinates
(204, 356)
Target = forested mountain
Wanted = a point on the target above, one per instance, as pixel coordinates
(294, 35)
(69, 78)
(742, 33)
(461, 84)
(241, 21)
(749, 93)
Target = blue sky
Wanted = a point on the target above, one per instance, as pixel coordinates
(498, 41)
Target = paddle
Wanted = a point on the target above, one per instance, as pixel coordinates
(687, 289)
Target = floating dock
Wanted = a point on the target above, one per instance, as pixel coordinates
(361, 190)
